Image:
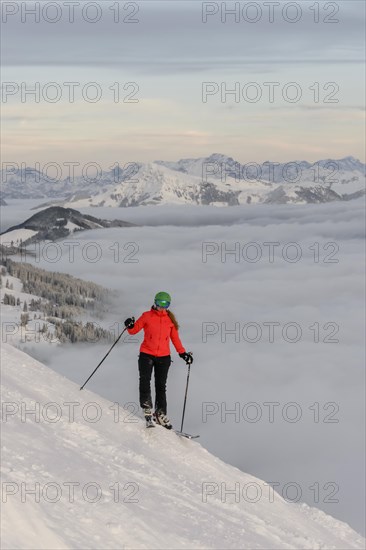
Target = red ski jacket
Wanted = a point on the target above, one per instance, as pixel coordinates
(159, 330)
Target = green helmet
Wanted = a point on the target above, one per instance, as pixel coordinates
(162, 299)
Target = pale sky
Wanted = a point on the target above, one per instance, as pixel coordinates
(169, 54)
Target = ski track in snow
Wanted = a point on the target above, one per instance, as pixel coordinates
(168, 472)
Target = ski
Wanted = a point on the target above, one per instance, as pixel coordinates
(183, 434)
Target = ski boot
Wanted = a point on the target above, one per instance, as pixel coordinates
(162, 419)
(148, 417)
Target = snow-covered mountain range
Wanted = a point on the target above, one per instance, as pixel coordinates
(54, 223)
(79, 472)
(216, 180)
(31, 183)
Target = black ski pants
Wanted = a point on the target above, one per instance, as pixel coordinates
(161, 366)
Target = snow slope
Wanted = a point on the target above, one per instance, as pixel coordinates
(11, 329)
(16, 237)
(156, 184)
(160, 502)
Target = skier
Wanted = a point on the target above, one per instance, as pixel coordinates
(160, 326)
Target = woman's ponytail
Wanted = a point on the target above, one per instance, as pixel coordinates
(173, 319)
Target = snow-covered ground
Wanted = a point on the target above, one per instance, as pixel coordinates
(16, 237)
(11, 330)
(78, 472)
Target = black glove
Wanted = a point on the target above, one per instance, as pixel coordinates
(187, 357)
(130, 322)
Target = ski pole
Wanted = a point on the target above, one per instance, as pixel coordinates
(185, 397)
(106, 355)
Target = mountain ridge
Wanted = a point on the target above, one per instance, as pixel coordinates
(54, 223)
(216, 180)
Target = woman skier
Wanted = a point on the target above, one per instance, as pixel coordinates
(160, 326)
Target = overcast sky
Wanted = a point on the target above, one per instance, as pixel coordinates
(169, 52)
